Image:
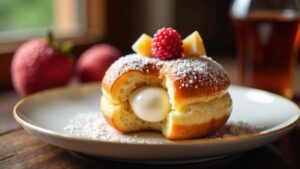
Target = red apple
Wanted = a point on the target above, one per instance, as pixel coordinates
(94, 62)
(38, 65)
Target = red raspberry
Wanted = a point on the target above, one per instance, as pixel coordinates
(166, 44)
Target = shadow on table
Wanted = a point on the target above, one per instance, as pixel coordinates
(262, 158)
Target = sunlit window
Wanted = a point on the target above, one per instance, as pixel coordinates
(16, 15)
(21, 19)
(80, 21)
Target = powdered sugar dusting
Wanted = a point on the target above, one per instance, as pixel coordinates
(130, 62)
(195, 72)
(190, 72)
(233, 129)
(93, 126)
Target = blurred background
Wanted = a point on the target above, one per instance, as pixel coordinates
(120, 23)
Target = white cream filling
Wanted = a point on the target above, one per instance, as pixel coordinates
(150, 104)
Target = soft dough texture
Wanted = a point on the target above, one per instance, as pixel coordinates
(197, 88)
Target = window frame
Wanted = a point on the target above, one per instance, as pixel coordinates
(94, 27)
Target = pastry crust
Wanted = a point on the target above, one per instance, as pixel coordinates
(191, 77)
(197, 88)
(179, 131)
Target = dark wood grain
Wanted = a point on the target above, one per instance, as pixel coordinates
(18, 149)
(7, 101)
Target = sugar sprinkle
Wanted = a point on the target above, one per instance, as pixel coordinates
(93, 126)
(189, 71)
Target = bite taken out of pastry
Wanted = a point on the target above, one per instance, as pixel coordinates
(169, 85)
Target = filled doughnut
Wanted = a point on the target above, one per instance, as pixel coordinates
(182, 97)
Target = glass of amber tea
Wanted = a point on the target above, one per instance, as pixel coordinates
(267, 37)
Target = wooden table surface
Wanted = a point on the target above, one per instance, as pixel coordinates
(18, 149)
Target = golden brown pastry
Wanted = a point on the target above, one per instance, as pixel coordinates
(135, 89)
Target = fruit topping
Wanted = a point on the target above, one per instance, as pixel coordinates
(143, 45)
(193, 45)
(167, 44)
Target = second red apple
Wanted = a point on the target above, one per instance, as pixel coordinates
(94, 62)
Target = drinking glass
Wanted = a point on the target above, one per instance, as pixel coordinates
(267, 37)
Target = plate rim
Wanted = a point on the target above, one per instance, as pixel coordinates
(198, 141)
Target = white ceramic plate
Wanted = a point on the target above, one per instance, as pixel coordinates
(47, 113)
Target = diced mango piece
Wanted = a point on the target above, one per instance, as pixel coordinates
(193, 45)
(143, 45)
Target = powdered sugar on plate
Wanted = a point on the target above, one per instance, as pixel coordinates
(93, 126)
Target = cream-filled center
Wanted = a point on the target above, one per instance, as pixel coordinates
(150, 104)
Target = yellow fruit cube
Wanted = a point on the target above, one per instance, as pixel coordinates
(193, 45)
(143, 45)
